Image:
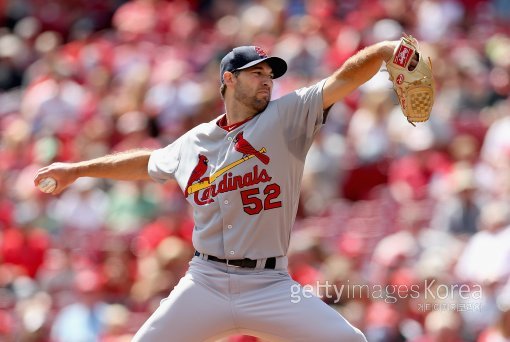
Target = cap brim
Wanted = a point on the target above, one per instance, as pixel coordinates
(278, 65)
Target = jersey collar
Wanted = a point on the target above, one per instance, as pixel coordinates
(222, 123)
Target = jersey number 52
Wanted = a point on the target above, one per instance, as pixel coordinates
(253, 204)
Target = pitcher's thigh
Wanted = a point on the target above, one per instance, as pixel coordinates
(289, 317)
(190, 313)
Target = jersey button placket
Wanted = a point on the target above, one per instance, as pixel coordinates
(225, 204)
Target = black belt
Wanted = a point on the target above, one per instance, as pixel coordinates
(245, 263)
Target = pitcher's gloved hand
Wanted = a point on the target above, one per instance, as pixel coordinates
(412, 80)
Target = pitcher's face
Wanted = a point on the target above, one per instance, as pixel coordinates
(254, 85)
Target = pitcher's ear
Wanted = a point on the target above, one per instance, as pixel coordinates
(227, 77)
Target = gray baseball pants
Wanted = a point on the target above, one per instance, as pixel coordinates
(214, 300)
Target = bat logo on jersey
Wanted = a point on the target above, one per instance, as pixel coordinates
(228, 182)
(242, 145)
(198, 172)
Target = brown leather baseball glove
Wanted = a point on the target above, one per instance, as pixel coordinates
(414, 85)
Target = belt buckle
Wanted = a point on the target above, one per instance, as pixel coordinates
(229, 264)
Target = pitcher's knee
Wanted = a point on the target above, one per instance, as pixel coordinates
(356, 336)
(341, 334)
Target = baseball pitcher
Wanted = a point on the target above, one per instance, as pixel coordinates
(241, 173)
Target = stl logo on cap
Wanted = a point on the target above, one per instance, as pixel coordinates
(260, 52)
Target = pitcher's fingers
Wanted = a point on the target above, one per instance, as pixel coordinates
(40, 175)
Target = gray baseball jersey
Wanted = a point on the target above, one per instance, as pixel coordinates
(244, 184)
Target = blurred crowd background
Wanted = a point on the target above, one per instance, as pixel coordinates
(383, 203)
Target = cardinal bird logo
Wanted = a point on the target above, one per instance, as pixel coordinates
(243, 146)
(198, 172)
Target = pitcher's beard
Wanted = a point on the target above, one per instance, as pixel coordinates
(258, 104)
